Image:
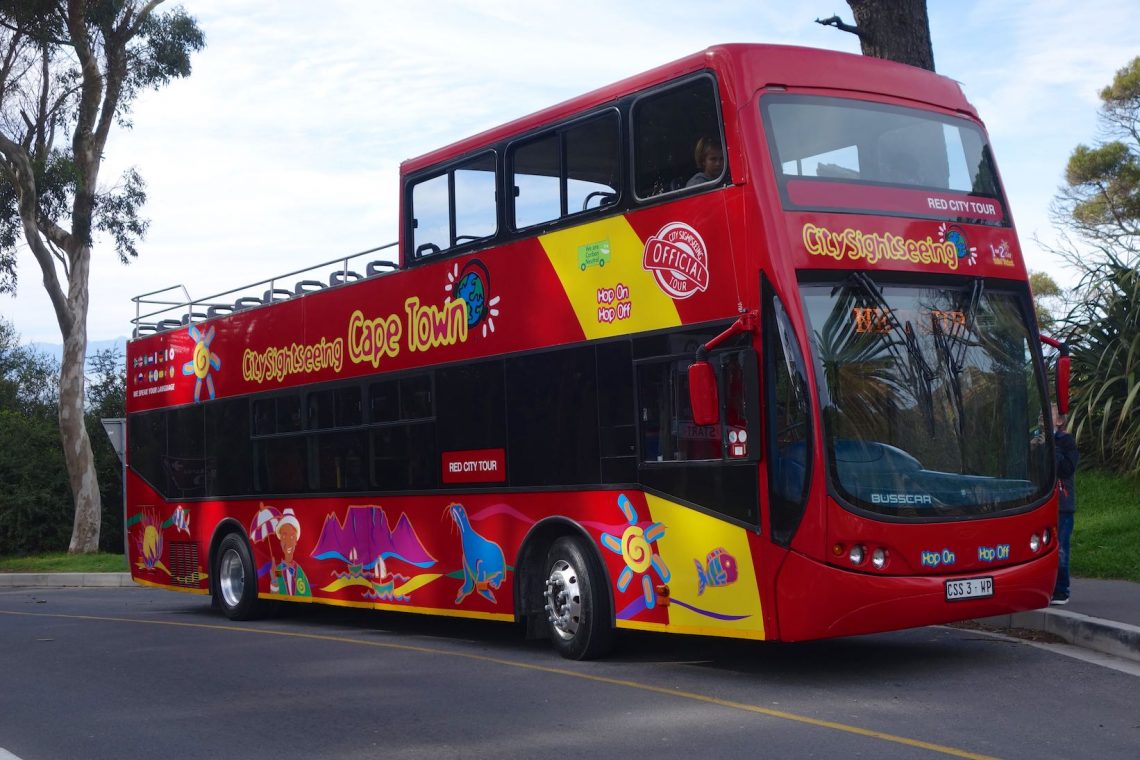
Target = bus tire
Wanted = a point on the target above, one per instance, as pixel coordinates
(575, 601)
(235, 579)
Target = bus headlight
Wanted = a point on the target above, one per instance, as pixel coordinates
(879, 558)
(1045, 537)
(857, 554)
(1034, 543)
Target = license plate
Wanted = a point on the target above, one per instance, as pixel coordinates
(969, 588)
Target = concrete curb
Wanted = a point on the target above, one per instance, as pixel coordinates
(65, 580)
(1104, 636)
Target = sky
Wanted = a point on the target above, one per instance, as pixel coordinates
(282, 149)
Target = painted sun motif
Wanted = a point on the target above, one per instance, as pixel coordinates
(636, 547)
(149, 541)
(203, 360)
(472, 284)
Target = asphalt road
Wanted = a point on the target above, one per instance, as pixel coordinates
(144, 673)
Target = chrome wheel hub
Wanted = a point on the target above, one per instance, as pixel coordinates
(231, 578)
(563, 600)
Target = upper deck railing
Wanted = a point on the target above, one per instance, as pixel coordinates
(172, 313)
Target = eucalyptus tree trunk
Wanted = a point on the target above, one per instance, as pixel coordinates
(896, 30)
(77, 453)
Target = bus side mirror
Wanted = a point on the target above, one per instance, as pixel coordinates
(702, 394)
(1062, 372)
(1063, 384)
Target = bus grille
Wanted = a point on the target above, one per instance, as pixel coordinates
(184, 570)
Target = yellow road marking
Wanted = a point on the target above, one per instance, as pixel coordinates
(693, 696)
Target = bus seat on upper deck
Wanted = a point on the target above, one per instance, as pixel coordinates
(219, 310)
(340, 278)
(196, 316)
(276, 294)
(379, 267)
(308, 286)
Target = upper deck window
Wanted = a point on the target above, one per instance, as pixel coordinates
(677, 138)
(854, 155)
(566, 171)
(454, 208)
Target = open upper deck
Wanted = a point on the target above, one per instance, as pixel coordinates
(740, 69)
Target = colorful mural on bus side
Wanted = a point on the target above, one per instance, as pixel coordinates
(446, 557)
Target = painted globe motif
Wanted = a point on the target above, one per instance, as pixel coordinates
(958, 239)
(470, 289)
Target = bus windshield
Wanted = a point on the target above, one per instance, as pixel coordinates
(847, 154)
(931, 397)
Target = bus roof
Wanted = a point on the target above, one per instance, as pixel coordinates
(742, 69)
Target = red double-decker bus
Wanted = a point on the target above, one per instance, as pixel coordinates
(741, 346)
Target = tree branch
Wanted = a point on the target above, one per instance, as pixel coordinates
(142, 17)
(838, 24)
(45, 39)
(20, 164)
(59, 254)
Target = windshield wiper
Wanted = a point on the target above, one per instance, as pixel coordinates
(955, 357)
(915, 369)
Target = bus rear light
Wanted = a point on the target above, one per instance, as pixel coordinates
(857, 555)
(879, 558)
(1034, 543)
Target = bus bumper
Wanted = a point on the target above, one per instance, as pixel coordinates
(816, 601)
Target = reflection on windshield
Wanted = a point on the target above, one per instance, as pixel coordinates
(930, 397)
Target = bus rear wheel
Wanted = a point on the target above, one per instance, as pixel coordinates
(235, 579)
(575, 601)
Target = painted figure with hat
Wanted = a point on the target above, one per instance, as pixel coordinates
(288, 576)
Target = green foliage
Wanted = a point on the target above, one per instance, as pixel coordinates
(1106, 183)
(35, 498)
(35, 503)
(1106, 365)
(1106, 537)
(41, 91)
(118, 214)
(1100, 205)
(1122, 98)
(1047, 297)
(163, 54)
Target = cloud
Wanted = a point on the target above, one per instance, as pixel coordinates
(283, 147)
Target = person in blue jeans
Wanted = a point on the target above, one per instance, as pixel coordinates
(1065, 447)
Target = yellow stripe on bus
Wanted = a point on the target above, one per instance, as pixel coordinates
(691, 630)
(600, 268)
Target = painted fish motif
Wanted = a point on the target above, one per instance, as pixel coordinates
(719, 570)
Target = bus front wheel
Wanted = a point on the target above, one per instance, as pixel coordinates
(235, 579)
(575, 601)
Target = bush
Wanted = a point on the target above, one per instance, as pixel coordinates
(35, 500)
(36, 507)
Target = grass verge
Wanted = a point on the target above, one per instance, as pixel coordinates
(65, 563)
(1106, 532)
